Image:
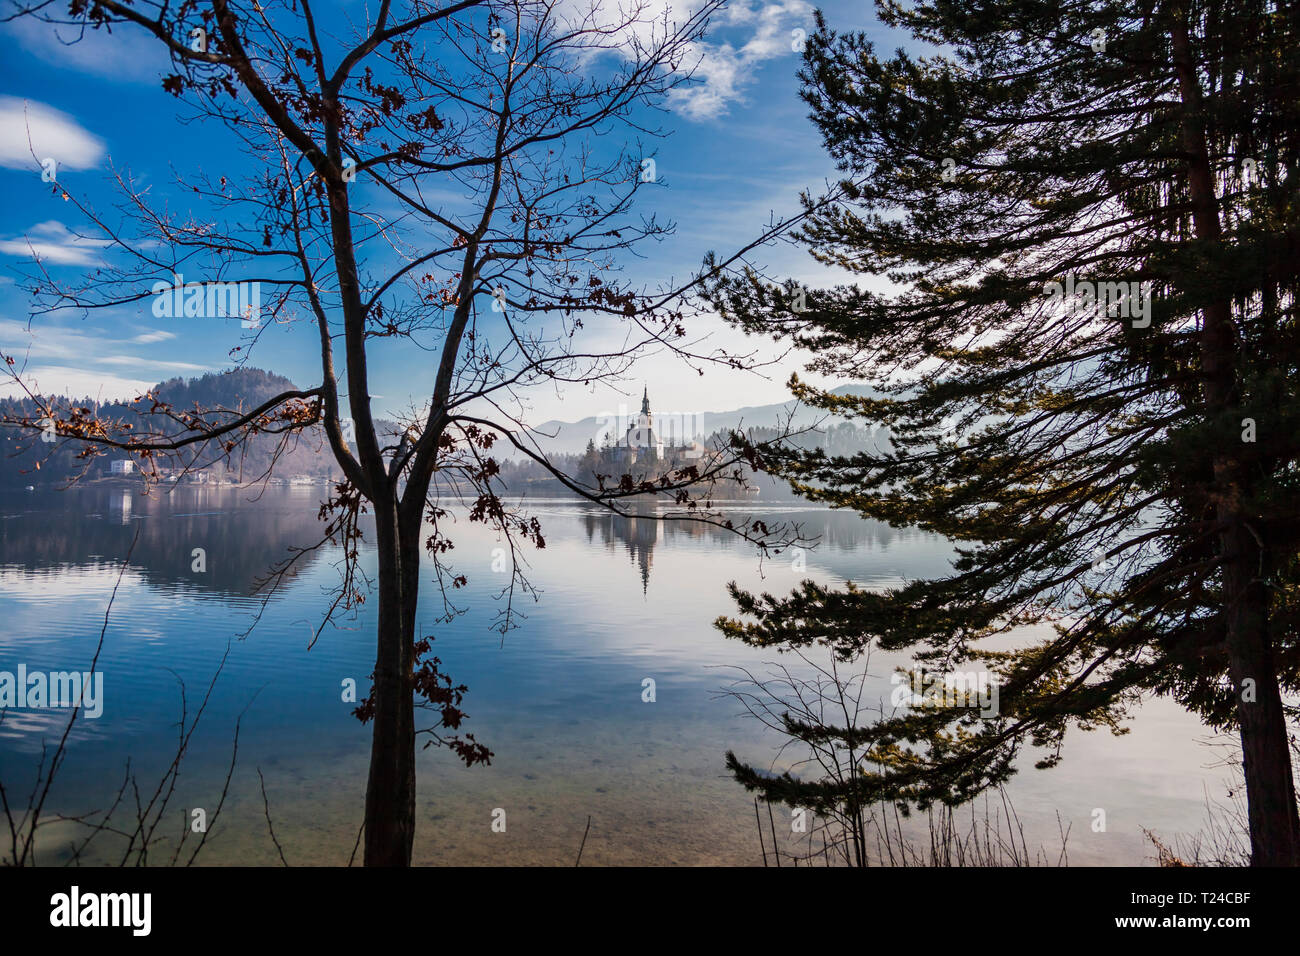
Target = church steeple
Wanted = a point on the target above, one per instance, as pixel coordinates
(645, 401)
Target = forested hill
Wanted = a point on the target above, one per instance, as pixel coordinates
(243, 388)
(248, 387)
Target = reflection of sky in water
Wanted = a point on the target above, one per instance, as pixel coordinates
(558, 699)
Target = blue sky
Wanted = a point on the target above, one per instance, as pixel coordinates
(740, 148)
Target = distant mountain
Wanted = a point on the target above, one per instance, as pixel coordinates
(238, 388)
(570, 438)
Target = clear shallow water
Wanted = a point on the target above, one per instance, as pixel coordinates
(558, 699)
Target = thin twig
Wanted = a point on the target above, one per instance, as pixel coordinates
(266, 808)
(584, 841)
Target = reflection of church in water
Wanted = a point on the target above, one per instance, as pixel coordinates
(643, 447)
(644, 450)
(638, 533)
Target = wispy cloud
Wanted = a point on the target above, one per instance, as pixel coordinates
(721, 70)
(160, 366)
(54, 243)
(724, 70)
(57, 359)
(125, 55)
(77, 383)
(30, 131)
(148, 338)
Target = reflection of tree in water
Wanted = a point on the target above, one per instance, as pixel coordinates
(241, 538)
(644, 528)
(849, 531)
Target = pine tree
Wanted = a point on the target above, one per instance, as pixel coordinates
(590, 462)
(1119, 467)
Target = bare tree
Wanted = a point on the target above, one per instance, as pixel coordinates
(356, 139)
(835, 780)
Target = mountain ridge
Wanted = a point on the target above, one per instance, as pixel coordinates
(560, 437)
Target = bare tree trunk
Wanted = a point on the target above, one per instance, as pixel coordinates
(1266, 755)
(390, 791)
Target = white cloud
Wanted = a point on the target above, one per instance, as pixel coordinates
(30, 131)
(161, 366)
(54, 243)
(723, 70)
(148, 338)
(776, 25)
(77, 383)
(65, 360)
(715, 84)
(125, 55)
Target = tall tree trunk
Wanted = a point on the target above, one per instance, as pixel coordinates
(1266, 755)
(1265, 750)
(390, 790)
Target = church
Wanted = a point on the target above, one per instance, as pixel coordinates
(641, 442)
(643, 445)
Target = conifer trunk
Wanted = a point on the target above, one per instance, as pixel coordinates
(1266, 756)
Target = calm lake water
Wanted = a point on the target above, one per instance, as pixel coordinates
(559, 700)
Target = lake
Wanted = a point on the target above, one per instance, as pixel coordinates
(558, 699)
